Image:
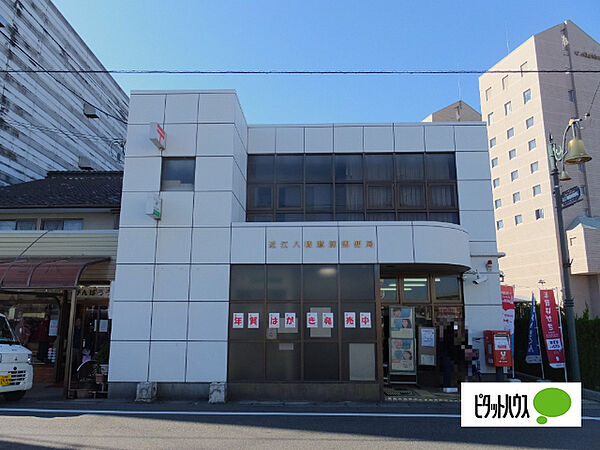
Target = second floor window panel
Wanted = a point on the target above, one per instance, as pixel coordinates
(18, 224)
(62, 224)
(178, 174)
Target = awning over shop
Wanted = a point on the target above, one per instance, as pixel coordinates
(48, 272)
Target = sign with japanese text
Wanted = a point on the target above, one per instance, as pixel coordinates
(520, 404)
(312, 320)
(238, 320)
(365, 319)
(157, 135)
(290, 320)
(508, 307)
(349, 320)
(321, 244)
(253, 320)
(274, 320)
(551, 329)
(327, 320)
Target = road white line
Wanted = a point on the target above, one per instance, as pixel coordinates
(236, 413)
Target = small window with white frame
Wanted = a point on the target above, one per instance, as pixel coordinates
(514, 175)
(178, 174)
(512, 154)
(537, 190)
(499, 224)
(18, 224)
(523, 68)
(62, 224)
(496, 182)
(526, 96)
(510, 133)
(516, 197)
(534, 167)
(507, 108)
(494, 162)
(490, 118)
(504, 82)
(497, 203)
(488, 93)
(492, 142)
(518, 219)
(529, 122)
(531, 144)
(539, 214)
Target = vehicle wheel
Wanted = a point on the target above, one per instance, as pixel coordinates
(14, 396)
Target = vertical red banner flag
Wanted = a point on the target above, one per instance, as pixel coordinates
(551, 329)
(508, 312)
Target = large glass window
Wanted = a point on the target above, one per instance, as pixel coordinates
(320, 282)
(416, 290)
(18, 224)
(357, 282)
(447, 289)
(178, 174)
(62, 224)
(283, 282)
(314, 187)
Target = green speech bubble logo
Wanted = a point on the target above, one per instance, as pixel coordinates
(551, 402)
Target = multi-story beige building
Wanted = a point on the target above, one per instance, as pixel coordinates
(523, 103)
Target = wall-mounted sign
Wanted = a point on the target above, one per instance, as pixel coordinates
(321, 244)
(587, 55)
(154, 207)
(570, 196)
(158, 136)
(93, 291)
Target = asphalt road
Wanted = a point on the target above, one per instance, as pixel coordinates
(189, 425)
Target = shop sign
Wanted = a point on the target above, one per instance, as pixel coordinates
(551, 329)
(321, 244)
(312, 320)
(93, 291)
(570, 196)
(157, 135)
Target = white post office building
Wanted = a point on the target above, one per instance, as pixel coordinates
(330, 261)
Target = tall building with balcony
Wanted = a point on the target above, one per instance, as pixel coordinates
(523, 103)
(42, 123)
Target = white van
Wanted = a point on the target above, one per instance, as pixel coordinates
(16, 371)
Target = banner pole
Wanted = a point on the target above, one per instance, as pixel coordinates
(562, 337)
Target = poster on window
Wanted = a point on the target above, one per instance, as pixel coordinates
(402, 355)
(238, 320)
(402, 321)
(253, 320)
(365, 320)
(349, 320)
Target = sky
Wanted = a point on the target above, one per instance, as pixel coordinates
(318, 35)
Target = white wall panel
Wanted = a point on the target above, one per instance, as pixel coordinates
(138, 142)
(209, 282)
(212, 208)
(395, 244)
(216, 139)
(441, 245)
(289, 140)
(214, 173)
(361, 254)
(181, 140)
(133, 210)
(171, 282)
(146, 108)
(176, 209)
(318, 139)
(318, 236)
(283, 239)
(473, 166)
(174, 245)
(379, 139)
(169, 321)
(439, 138)
(131, 321)
(261, 140)
(471, 138)
(134, 282)
(142, 174)
(181, 108)
(479, 224)
(217, 108)
(475, 195)
(211, 245)
(136, 245)
(248, 245)
(347, 139)
(409, 138)
(167, 361)
(208, 321)
(128, 361)
(206, 362)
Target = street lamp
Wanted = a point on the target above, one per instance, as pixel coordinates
(575, 154)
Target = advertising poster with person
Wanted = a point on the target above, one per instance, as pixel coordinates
(402, 320)
(402, 355)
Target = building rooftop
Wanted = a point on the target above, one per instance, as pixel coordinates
(586, 222)
(66, 189)
(456, 112)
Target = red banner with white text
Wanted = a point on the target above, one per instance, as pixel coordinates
(551, 329)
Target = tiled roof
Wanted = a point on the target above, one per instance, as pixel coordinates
(586, 222)
(66, 189)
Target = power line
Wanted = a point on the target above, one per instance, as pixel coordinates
(292, 72)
